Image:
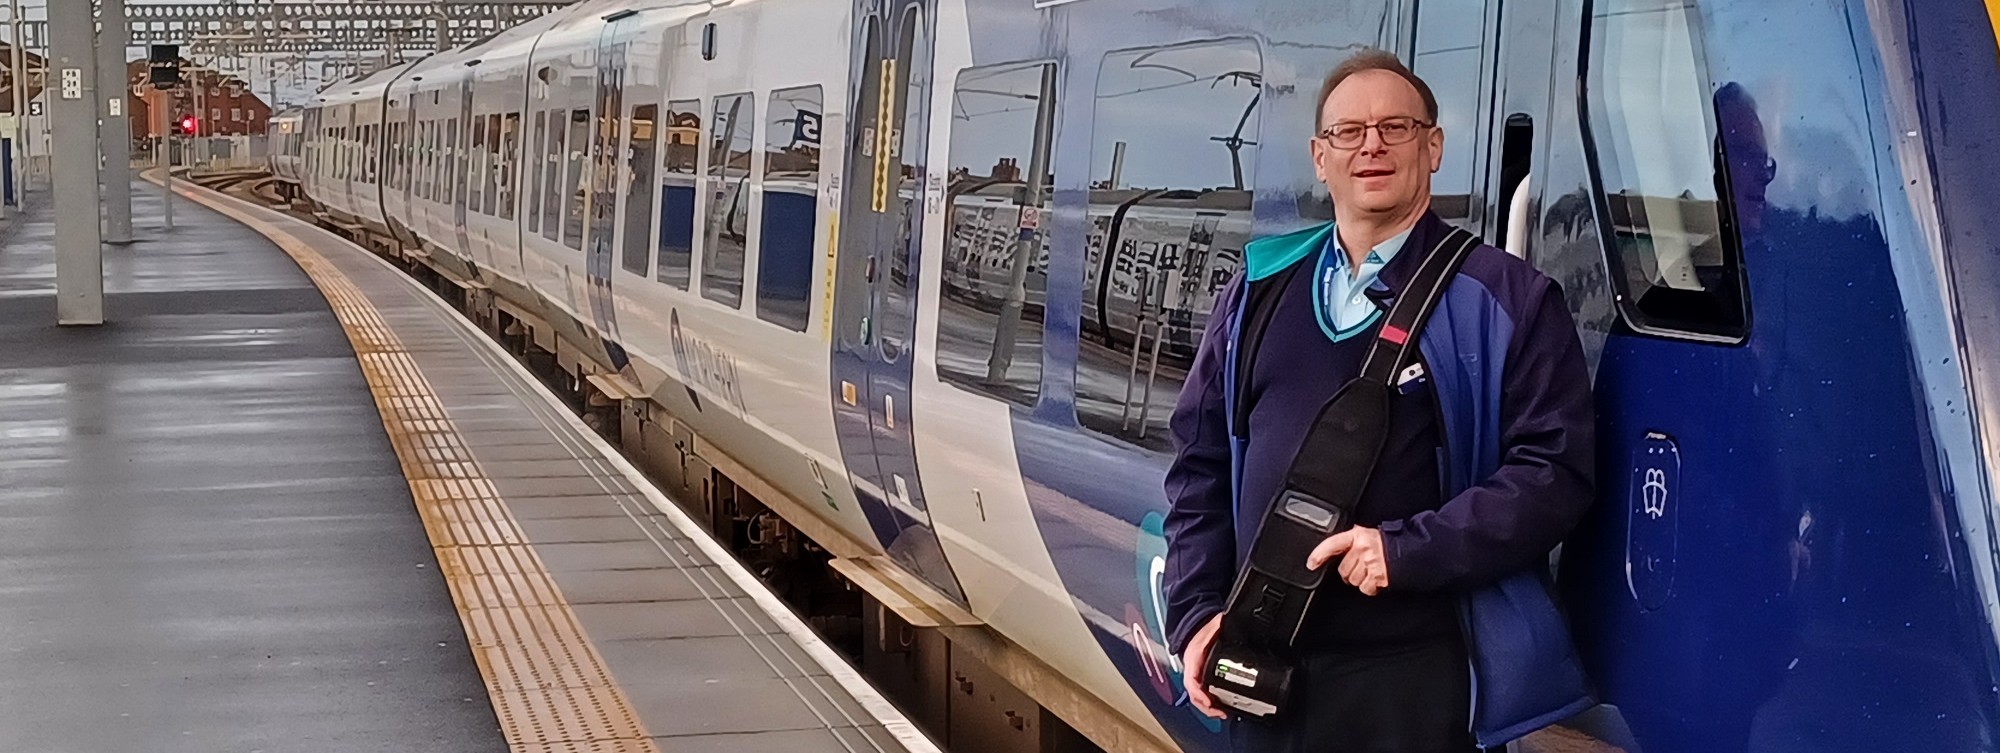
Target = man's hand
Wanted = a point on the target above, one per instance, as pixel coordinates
(1194, 669)
(1364, 566)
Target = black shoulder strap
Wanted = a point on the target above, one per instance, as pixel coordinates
(1392, 347)
(1397, 338)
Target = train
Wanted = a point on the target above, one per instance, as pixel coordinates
(922, 279)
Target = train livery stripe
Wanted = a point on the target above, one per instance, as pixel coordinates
(1993, 14)
(517, 623)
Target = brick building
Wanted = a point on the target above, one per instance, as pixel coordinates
(232, 109)
(34, 65)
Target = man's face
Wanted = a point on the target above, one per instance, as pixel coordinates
(1373, 177)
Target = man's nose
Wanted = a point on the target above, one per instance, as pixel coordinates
(1371, 141)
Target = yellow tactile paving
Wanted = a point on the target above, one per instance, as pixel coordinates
(549, 687)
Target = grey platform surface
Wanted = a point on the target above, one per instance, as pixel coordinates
(704, 668)
(206, 542)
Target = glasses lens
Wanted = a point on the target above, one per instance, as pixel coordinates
(1348, 134)
(1396, 130)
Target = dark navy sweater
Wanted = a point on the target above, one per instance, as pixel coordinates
(1299, 368)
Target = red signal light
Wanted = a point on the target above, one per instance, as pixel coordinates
(187, 124)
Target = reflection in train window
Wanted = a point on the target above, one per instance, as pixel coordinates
(1449, 53)
(791, 207)
(1650, 135)
(476, 182)
(533, 161)
(907, 145)
(493, 166)
(510, 145)
(677, 188)
(552, 177)
(995, 277)
(642, 146)
(722, 249)
(419, 152)
(430, 161)
(578, 185)
(455, 170)
(1173, 150)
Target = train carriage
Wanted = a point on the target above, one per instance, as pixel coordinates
(923, 277)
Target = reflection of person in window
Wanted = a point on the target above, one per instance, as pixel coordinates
(1751, 168)
(1487, 465)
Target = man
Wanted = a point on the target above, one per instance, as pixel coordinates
(1487, 465)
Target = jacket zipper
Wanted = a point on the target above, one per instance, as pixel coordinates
(1444, 477)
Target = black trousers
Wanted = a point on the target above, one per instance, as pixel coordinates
(1406, 698)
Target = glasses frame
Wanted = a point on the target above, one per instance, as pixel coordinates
(1326, 133)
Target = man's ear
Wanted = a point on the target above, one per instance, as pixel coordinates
(1437, 148)
(1319, 157)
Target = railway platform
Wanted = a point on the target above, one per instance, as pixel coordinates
(286, 499)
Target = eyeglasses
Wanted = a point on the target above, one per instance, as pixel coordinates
(1396, 130)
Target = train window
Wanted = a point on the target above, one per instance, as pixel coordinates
(475, 180)
(791, 207)
(995, 277)
(906, 184)
(579, 178)
(641, 151)
(491, 180)
(677, 191)
(552, 177)
(428, 161)
(415, 182)
(454, 169)
(1650, 139)
(1169, 212)
(393, 153)
(723, 247)
(1450, 47)
(510, 149)
(537, 143)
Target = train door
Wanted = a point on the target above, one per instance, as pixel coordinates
(598, 249)
(875, 299)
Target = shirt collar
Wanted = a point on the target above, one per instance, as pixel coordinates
(1378, 256)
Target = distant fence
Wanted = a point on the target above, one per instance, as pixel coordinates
(212, 152)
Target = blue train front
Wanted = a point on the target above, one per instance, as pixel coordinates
(1771, 219)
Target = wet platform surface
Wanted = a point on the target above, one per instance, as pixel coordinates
(206, 541)
(288, 500)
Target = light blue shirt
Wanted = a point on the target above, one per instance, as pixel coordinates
(1342, 293)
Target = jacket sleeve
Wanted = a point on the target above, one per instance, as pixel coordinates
(1200, 524)
(1512, 518)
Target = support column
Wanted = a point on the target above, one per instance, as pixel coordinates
(20, 136)
(114, 129)
(73, 118)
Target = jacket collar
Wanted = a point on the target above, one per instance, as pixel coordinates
(1264, 257)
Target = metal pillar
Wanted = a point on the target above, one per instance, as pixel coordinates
(114, 127)
(73, 113)
(21, 150)
(198, 141)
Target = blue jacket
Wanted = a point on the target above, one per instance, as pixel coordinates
(1518, 428)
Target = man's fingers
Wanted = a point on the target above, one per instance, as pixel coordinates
(1198, 696)
(1332, 547)
(1348, 568)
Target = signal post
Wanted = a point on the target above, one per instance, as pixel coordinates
(163, 71)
